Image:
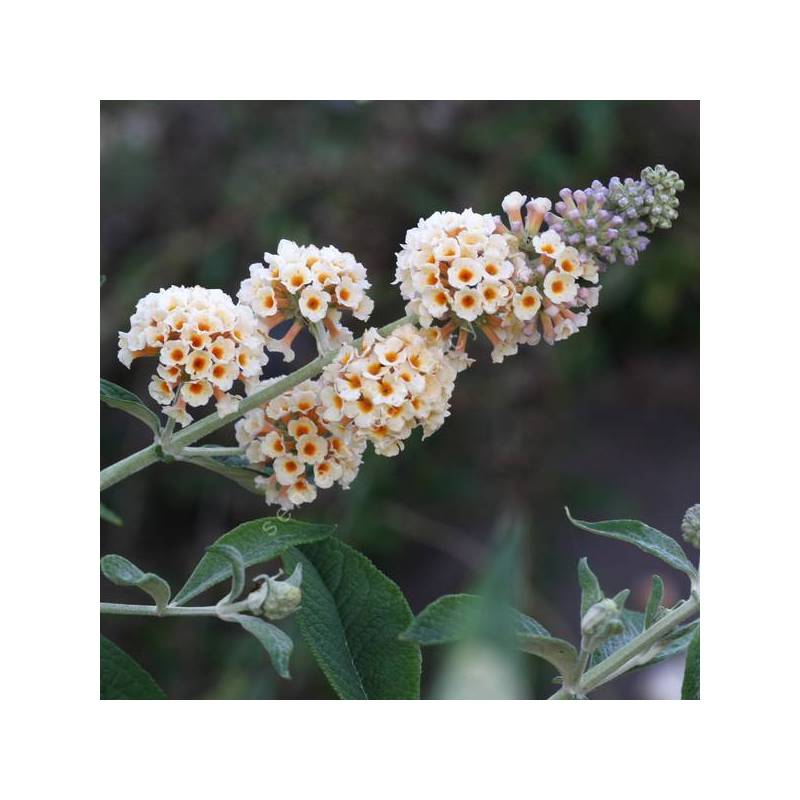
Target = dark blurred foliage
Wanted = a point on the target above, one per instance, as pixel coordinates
(607, 422)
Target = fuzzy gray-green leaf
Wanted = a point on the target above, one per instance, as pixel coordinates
(459, 616)
(122, 678)
(258, 541)
(125, 573)
(691, 675)
(652, 610)
(107, 515)
(230, 468)
(642, 536)
(119, 398)
(562, 655)
(234, 558)
(591, 592)
(351, 618)
(277, 644)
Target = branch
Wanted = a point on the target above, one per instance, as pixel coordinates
(619, 660)
(198, 430)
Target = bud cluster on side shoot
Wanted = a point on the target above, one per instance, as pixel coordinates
(310, 287)
(690, 527)
(277, 599)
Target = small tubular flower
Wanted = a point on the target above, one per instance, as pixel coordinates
(307, 286)
(204, 344)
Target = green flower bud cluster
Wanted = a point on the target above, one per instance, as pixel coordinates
(602, 621)
(690, 527)
(662, 203)
(276, 599)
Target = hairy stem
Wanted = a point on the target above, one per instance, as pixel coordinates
(615, 664)
(188, 452)
(197, 430)
(128, 610)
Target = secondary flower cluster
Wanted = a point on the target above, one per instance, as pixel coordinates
(315, 435)
(310, 286)
(304, 450)
(519, 284)
(392, 385)
(204, 344)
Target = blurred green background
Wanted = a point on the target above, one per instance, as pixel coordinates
(606, 422)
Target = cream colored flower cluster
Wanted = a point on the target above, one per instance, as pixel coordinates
(204, 343)
(392, 385)
(305, 451)
(311, 286)
(468, 271)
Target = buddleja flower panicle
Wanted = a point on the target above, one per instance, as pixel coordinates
(518, 284)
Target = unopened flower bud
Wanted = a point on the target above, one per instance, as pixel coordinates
(601, 622)
(512, 205)
(690, 527)
(276, 599)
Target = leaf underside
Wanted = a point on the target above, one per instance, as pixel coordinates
(644, 537)
(123, 400)
(122, 572)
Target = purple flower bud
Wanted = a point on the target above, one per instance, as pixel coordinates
(591, 241)
(612, 233)
(591, 224)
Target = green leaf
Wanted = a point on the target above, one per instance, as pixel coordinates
(620, 598)
(591, 592)
(117, 397)
(644, 537)
(102, 279)
(277, 644)
(124, 573)
(562, 655)
(258, 540)
(652, 610)
(121, 678)
(352, 617)
(691, 675)
(236, 561)
(107, 515)
(229, 467)
(458, 616)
